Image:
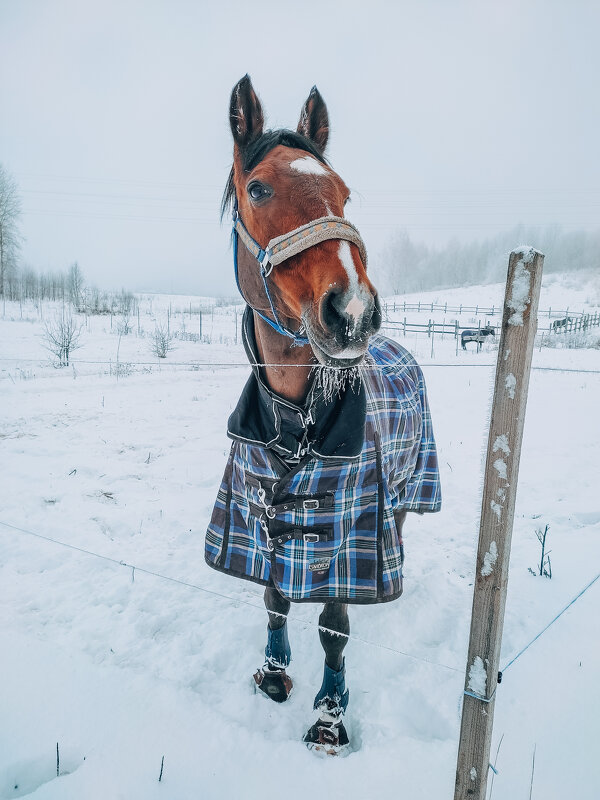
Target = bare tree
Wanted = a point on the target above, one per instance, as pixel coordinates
(161, 341)
(62, 336)
(10, 237)
(75, 286)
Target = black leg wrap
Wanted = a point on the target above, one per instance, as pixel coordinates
(274, 601)
(334, 617)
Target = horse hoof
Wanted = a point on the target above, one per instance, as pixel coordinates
(327, 738)
(274, 684)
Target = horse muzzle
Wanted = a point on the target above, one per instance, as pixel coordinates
(340, 330)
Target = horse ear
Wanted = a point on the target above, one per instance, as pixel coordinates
(245, 113)
(314, 120)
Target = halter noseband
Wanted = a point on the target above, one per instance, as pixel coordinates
(287, 245)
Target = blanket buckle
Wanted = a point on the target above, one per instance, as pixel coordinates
(311, 537)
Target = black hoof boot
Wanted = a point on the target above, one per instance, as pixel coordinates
(328, 737)
(275, 684)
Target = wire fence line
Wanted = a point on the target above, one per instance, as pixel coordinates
(305, 623)
(235, 600)
(238, 364)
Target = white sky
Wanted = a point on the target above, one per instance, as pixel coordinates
(452, 119)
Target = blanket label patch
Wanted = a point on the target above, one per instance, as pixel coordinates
(319, 566)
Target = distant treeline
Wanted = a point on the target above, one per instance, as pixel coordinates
(408, 266)
(25, 283)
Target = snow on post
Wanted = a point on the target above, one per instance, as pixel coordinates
(519, 324)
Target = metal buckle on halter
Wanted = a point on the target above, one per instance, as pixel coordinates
(270, 512)
(310, 505)
(264, 264)
(311, 537)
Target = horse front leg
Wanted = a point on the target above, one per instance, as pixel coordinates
(272, 679)
(328, 734)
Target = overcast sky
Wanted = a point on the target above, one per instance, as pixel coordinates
(452, 119)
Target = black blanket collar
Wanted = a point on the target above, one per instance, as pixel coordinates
(329, 430)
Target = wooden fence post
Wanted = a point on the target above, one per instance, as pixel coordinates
(519, 325)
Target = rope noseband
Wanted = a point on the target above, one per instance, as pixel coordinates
(286, 246)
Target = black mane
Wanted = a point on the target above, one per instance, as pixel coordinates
(258, 149)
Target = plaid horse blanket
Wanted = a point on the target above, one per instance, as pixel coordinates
(324, 528)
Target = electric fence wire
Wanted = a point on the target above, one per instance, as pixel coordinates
(304, 623)
(234, 600)
(224, 364)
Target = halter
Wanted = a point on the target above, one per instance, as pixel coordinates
(285, 246)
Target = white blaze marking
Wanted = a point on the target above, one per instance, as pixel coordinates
(355, 308)
(308, 165)
(345, 255)
(356, 305)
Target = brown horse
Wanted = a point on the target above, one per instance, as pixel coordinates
(291, 513)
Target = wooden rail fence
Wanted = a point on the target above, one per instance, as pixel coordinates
(396, 307)
(572, 324)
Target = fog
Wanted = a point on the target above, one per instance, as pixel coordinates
(450, 121)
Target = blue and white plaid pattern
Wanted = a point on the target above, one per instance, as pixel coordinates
(359, 559)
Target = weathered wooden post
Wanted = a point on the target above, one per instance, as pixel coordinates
(519, 323)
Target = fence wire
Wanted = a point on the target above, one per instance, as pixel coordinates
(305, 623)
(240, 364)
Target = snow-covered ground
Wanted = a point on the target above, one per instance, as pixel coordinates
(120, 667)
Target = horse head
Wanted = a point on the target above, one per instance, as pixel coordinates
(280, 181)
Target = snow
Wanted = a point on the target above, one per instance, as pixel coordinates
(477, 677)
(501, 443)
(489, 560)
(519, 295)
(527, 252)
(510, 383)
(123, 671)
(500, 467)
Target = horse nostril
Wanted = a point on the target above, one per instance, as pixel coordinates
(331, 313)
(337, 313)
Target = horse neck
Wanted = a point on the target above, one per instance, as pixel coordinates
(291, 377)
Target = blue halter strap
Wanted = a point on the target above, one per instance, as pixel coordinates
(262, 256)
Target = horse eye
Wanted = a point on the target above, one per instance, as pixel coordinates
(258, 191)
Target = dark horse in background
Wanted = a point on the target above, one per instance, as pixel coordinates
(319, 479)
(560, 323)
(478, 335)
